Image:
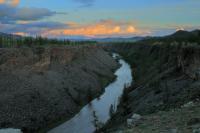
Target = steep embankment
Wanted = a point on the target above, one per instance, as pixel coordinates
(166, 73)
(41, 86)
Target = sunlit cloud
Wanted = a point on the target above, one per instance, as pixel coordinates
(2, 1)
(22, 22)
(102, 28)
(20, 33)
(131, 29)
(10, 2)
(180, 28)
(35, 17)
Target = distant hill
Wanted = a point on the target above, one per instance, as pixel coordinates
(196, 32)
(180, 33)
(185, 35)
(179, 36)
(119, 39)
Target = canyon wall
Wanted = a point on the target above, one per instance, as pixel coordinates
(42, 86)
(166, 76)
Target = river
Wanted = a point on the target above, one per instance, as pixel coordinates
(98, 111)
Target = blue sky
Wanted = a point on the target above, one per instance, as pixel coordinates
(98, 18)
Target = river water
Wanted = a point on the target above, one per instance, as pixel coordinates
(98, 111)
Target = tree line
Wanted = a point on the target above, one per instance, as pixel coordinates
(11, 41)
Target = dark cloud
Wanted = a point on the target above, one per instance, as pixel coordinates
(34, 28)
(50, 25)
(32, 13)
(85, 2)
(10, 14)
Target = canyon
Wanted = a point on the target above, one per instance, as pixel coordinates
(42, 86)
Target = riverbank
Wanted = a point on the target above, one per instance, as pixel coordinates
(166, 74)
(43, 85)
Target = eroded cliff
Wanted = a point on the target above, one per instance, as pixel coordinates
(41, 86)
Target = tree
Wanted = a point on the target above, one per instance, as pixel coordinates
(111, 111)
(97, 124)
(1, 42)
(124, 102)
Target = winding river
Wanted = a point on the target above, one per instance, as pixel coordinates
(98, 111)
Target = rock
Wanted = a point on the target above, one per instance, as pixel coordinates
(133, 120)
(10, 130)
(173, 131)
(136, 117)
(129, 122)
(189, 104)
(196, 130)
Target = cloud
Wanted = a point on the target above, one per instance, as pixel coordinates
(85, 3)
(31, 28)
(102, 28)
(11, 14)
(10, 2)
(131, 29)
(32, 13)
(26, 21)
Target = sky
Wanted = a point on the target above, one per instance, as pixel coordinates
(98, 18)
